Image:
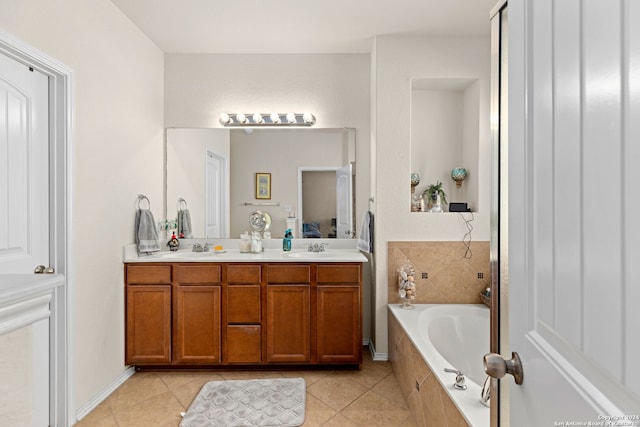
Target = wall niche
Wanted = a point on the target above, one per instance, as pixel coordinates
(445, 132)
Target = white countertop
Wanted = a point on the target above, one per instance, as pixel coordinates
(234, 255)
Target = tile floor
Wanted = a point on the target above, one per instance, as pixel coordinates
(370, 397)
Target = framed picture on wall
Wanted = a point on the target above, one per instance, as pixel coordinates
(263, 185)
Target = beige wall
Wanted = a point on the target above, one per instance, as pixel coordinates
(118, 126)
(396, 61)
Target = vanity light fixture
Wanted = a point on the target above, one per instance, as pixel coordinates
(273, 119)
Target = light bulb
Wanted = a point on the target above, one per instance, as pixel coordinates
(275, 118)
(241, 118)
(308, 118)
(225, 119)
(257, 118)
(291, 118)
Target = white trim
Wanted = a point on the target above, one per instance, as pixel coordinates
(93, 403)
(61, 135)
(377, 357)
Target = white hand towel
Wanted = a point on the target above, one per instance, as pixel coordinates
(365, 239)
(146, 232)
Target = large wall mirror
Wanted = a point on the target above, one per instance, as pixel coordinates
(309, 175)
(445, 122)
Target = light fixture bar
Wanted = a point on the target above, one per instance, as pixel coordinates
(272, 119)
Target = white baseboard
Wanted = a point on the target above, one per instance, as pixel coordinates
(377, 357)
(100, 397)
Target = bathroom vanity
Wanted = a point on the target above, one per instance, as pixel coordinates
(269, 310)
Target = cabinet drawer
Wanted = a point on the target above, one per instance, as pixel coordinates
(243, 304)
(338, 273)
(243, 274)
(197, 273)
(289, 273)
(141, 274)
(243, 344)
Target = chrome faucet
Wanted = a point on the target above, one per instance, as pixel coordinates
(197, 247)
(316, 247)
(460, 385)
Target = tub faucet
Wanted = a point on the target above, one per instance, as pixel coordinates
(485, 396)
(460, 385)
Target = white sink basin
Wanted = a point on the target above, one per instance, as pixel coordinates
(310, 255)
(185, 254)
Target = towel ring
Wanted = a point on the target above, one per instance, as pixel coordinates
(141, 198)
(182, 204)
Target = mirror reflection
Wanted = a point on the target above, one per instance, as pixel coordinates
(309, 187)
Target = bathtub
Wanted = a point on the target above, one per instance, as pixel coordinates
(452, 336)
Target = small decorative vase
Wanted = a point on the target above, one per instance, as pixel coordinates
(407, 285)
(436, 207)
(458, 175)
(415, 179)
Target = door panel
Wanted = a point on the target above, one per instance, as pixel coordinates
(215, 188)
(573, 93)
(344, 201)
(24, 215)
(24, 160)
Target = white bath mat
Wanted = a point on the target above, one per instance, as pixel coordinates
(272, 402)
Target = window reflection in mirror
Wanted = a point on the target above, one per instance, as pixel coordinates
(445, 134)
(220, 205)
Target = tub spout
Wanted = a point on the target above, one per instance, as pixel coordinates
(459, 384)
(485, 397)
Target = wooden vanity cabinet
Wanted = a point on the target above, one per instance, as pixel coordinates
(288, 313)
(244, 314)
(196, 314)
(148, 315)
(338, 310)
(251, 314)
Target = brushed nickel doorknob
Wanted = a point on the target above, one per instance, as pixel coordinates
(39, 269)
(496, 366)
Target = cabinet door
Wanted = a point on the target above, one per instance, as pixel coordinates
(196, 312)
(288, 323)
(148, 324)
(243, 344)
(339, 335)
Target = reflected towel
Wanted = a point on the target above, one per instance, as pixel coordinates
(184, 224)
(146, 232)
(365, 239)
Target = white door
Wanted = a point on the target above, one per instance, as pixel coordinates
(24, 221)
(344, 200)
(215, 197)
(24, 162)
(574, 258)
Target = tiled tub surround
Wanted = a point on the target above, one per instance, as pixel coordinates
(430, 395)
(451, 278)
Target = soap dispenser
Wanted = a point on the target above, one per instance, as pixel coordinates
(173, 243)
(286, 242)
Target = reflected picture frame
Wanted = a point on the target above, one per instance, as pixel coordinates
(263, 186)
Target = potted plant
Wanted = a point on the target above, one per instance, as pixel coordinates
(432, 192)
